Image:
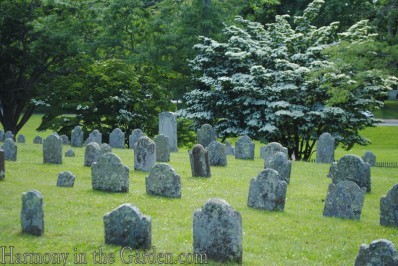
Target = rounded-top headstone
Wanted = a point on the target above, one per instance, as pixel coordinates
(136, 134)
(168, 127)
(206, 134)
(52, 149)
(32, 215)
(116, 139)
(379, 252)
(325, 148)
(144, 154)
(389, 208)
(217, 154)
(369, 158)
(244, 148)
(199, 159)
(91, 153)
(163, 181)
(77, 137)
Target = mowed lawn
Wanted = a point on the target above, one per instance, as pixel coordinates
(300, 235)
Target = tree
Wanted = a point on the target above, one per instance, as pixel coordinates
(274, 83)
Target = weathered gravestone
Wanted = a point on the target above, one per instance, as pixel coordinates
(2, 136)
(144, 154)
(199, 159)
(38, 140)
(267, 191)
(2, 165)
(217, 155)
(381, 252)
(206, 134)
(268, 152)
(162, 148)
(91, 153)
(229, 150)
(369, 158)
(65, 140)
(21, 139)
(389, 208)
(136, 134)
(351, 168)
(94, 136)
(244, 148)
(163, 181)
(65, 179)
(282, 165)
(52, 149)
(32, 214)
(344, 200)
(9, 135)
(116, 139)
(10, 150)
(168, 127)
(217, 232)
(104, 147)
(325, 149)
(70, 153)
(126, 226)
(76, 139)
(109, 174)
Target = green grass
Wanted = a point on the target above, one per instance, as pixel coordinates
(389, 111)
(299, 235)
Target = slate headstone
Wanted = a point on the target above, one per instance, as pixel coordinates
(65, 179)
(117, 139)
(91, 153)
(10, 150)
(229, 150)
(32, 214)
(325, 149)
(162, 148)
(95, 136)
(379, 252)
(65, 140)
(206, 134)
(217, 155)
(168, 127)
(52, 149)
(369, 158)
(389, 207)
(70, 153)
(244, 148)
(105, 147)
(2, 165)
(21, 139)
(9, 135)
(282, 165)
(38, 140)
(268, 152)
(109, 174)
(76, 139)
(134, 137)
(163, 181)
(199, 159)
(144, 154)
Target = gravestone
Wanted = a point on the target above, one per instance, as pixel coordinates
(144, 154)
(325, 149)
(91, 153)
(2, 136)
(134, 137)
(229, 150)
(268, 152)
(116, 139)
(52, 149)
(353, 168)
(379, 252)
(32, 214)
(65, 140)
(199, 159)
(217, 232)
(70, 153)
(163, 181)
(369, 158)
(105, 148)
(162, 148)
(126, 226)
(38, 140)
(10, 150)
(206, 134)
(389, 208)
(168, 127)
(21, 139)
(65, 179)
(109, 174)
(344, 200)
(244, 148)
(2, 165)
(217, 155)
(95, 136)
(282, 165)
(9, 135)
(76, 139)
(267, 191)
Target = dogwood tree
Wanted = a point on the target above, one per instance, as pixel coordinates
(274, 83)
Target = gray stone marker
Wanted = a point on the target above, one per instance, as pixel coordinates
(70, 153)
(65, 179)
(95, 136)
(268, 152)
(126, 226)
(168, 127)
(144, 154)
(369, 158)
(38, 140)
(91, 153)
(217, 155)
(2, 165)
(389, 208)
(10, 150)
(344, 200)
(65, 140)
(21, 139)
(52, 149)
(32, 214)
(199, 159)
(229, 150)
(353, 168)
(163, 181)
(76, 139)
(217, 232)
(267, 191)
(282, 165)
(109, 174)
(2, 136)
(9, 135)
(104, 147)
(325, 149)
(379, 252)
(162, 148)
(244, 148)
(206, 134)
(117, 139)
(134, 137)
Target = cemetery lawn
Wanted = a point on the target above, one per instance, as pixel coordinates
(300, 235)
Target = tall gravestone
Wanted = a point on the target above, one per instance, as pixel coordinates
(52, 149)
(91, 153)
(38, 140)
(95, 136)
(379, 252)
(168, 127)
(163, 181)
(9, 135)
(116, 139)
(76, 139)
(282, 165)
(229, 150)
(10, 150)
(199, 159)
(389, 207)
(217, 155)
(109, 174)
(162, 148)
(21, 139)
(144, 154)
(136, 134)
(2, 165)
(2, 136)
(325, 149)
(32, 214)
(217, 232)
(244, 148)
(268, 152)
(369, 158)
(206, 134)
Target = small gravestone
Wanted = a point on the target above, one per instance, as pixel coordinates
(325, 149)
(2, 136)
(116, 139)
(9, 135)
(229, 150)
(144, 154)
(65, 179)
(267, 191)
(32, 215)
(168, 127)
(105, 148)
(217, 155)
(52, 149)
(379, 252)
(95, 136)
(389, 208)
(109, 174)
(70, 153)
(38, 140)
(21, 139)
(199, 159)
(369, 158)
(244, 148)
(2, 165)
(134, 137)
(268, 152)
(282, 165)
(65, 140)
(91, 153)
(162, 148)
(10, 150)
(217, 232)
(344, 200)
(351, 168)
(126, 226)
(206, 134)
(163, 181)
(76, 139)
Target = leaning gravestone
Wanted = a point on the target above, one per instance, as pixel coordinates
(109, 174)
(76, 139)
(91, 153)
(325, 149)
(65, 179)
(116, 139)
(9, 135)
(95, 136)
(244, 148)
(21, 139)
(389, 208)
(144, 154)
(229, 150)
(217, 155)
(52, 149)
(2, 165)
(65, 140)
(217, 232)
(134, 137)
(126, 226)
(268, 152)
(10, 150)
(2, 136)
(267, 191)
(162, 148)
(163, 181)
(206, 134)
(199, 159)
(282, 165)
(344, 200)
(168, 127)
(105, 148)
(38, 140)
(379, 252)
(32, 215)
(70, 153)
(369, 158)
